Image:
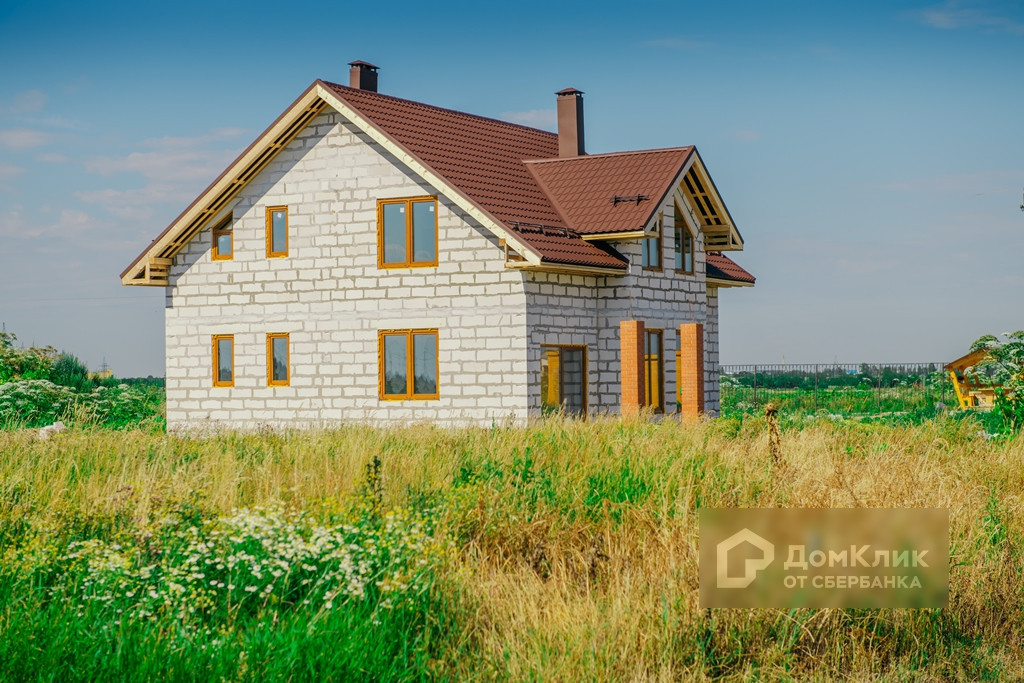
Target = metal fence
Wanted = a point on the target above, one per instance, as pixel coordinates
(853, 389)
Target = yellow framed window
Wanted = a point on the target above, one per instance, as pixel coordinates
(277, 231)
(654, 369)
(408, 364)
(278, 367)
(223, 360)
(563, 380)
(650, 257)
(407, 232)
(684, 249)
(223, 241)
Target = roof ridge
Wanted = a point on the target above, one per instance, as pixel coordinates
(604, 155)
(435, 107)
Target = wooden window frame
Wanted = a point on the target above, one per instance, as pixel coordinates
(679, 247)
(218, 231)
(216, 360)
(410, 370)
(270, 232)
(408, 263)
(655, 240)
(661, 370)
(561, 371)
(271, 382)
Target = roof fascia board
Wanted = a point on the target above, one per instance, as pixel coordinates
(223, 182)
(427, 173)
(728, 283)
(548, 267)
(613, 236)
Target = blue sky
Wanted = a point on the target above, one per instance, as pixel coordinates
(871, 153)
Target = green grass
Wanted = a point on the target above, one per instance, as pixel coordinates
(563, 551)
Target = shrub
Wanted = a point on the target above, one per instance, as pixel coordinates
(30, 363)
(68, 371)
(34, 402)
(1004, 365)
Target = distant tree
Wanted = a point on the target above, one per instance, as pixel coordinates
(68, 371)
(30, 363)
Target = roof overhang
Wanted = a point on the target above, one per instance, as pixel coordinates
(721, 284)
(152, 266)
(549, 267)
(613, 236)
(707, 208)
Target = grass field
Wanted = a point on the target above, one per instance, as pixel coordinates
(565, 551)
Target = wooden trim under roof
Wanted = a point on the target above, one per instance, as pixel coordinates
(712, 216)
(723, 284)
(151, 267)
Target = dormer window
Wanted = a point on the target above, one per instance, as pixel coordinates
(223, 241)
(407, 232)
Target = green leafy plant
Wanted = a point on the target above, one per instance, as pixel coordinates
(1003, 366)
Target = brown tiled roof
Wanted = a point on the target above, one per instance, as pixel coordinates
(480, 156)
(722, 267)
(561, 245)
(584, 189)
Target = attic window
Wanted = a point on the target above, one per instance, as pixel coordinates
(651, 252)
(407, 232)
(277, 231)
(223, 241)
(683, 244)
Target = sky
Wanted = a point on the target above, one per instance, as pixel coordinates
(871, 153)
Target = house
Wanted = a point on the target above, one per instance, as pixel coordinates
(373, 258)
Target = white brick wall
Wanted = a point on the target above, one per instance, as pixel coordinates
(332, 299)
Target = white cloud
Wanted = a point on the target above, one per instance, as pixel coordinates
(174, 168)
(9, 170)
(15, 225)
(28, 102)
(958, 14)
(138, 203)
(537, 118)
(52, 158)
(24, 138)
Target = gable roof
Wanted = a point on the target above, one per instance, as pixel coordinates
(610, 193)
(506, 176)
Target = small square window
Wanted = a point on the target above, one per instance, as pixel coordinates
(223, 360)
(277, 231)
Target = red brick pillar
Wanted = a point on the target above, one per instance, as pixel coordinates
(690, 373)
(631, 355)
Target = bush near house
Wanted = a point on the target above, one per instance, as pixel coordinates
(39, 386)
(1004, 365)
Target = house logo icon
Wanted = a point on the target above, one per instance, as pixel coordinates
(751, 566)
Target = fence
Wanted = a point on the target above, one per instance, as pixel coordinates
(852, 389)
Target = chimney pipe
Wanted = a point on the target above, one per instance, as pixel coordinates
(363, 76)
(570, 123)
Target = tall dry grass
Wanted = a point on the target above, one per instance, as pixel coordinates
(577, 542)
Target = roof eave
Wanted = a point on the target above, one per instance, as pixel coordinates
(222, 190)
(725, 283)
(569, 268)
